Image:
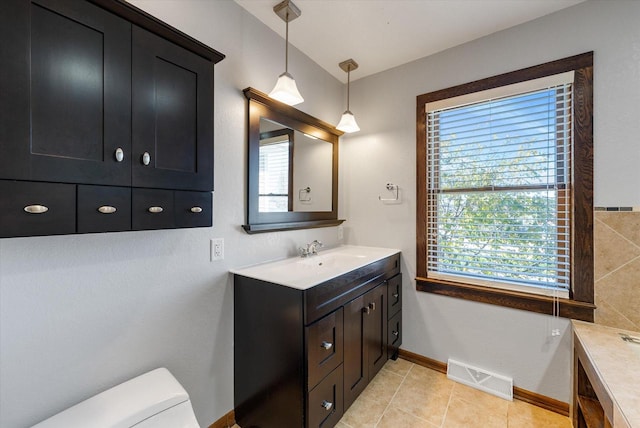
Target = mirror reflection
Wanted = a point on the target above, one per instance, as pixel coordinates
(295, 170)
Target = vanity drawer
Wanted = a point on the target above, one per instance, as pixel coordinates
(193, 209)
(394, 334)
(56, 203)
(324, 347)
(152, 209)
(96, 205)
(394, 295)
(324, 402)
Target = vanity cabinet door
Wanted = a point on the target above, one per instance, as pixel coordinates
(365, 341)
(66, 93)
(376, 330)
(172, 115)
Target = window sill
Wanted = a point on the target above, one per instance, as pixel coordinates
(511, 299)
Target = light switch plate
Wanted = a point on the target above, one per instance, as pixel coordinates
(217, 249)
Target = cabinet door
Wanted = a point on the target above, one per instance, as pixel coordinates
(365, 340)
(355, 364)
(172, 115)
(66, 92)
(376, 329)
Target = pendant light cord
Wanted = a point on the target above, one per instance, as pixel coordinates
(286, 48)
(348, 85)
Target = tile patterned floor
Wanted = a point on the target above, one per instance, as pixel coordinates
(405, 395)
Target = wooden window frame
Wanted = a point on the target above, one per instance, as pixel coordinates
(580, 304)
(290, 134)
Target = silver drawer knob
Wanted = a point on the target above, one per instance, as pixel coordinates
(119, 154)
(372, 306)
(146, 158)
(196, 210)
(395, 295)
(36, 209)
(327, 345)
(107, 209)
(366, 310)
(395, 333)
(326, 405)
(155, 210)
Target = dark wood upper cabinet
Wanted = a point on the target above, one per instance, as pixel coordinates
(66, 88)
(172, 115)
(87, 87)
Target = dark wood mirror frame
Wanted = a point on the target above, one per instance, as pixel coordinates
(261, 106)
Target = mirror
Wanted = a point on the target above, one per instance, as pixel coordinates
(293, 174)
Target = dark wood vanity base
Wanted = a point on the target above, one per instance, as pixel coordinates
(302, 356)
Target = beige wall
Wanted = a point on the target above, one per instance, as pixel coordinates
(617, 269)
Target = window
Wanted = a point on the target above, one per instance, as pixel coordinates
(499, 219)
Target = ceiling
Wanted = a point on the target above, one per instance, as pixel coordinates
(382, 34)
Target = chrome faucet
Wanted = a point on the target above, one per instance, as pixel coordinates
(312, 249)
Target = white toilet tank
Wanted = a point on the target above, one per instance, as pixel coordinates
(154, 399)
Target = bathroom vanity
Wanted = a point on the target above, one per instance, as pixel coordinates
(606, 376)
(310, 334)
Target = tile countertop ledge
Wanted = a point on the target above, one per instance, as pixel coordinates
(617, 365)
(304, 273)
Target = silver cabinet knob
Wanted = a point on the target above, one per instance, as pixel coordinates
(146, 158)
(196, 210)
(326, 405)
(327, 345)
(395, 295)
(372, 305)
(36, 209)
(107, 209)
(155, 210)
(395, 333)
(119, 154)
(366, 310)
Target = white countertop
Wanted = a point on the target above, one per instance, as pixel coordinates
(303, 273)
(618, 366)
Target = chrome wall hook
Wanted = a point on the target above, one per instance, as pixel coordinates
(391, 187)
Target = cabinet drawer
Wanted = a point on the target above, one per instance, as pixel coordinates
(103, 209)
(324, 346)
(394, 295)
(59, 216)
(152, 209)
(193, 209)
(394, 338)
(324, 403)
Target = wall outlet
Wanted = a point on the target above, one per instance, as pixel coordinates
(340, 233)
(217, 249)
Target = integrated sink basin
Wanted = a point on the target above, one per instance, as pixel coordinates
(303, 273)
(633, 342)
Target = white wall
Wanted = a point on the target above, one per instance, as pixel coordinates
(511, 342)
(79, 314)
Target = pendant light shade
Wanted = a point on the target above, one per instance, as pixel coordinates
(348, 123)
(286, 89)
(348, 120)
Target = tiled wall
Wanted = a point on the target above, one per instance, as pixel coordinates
(617, 269)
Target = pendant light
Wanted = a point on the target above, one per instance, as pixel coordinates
(286, 89)
(348, 121)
